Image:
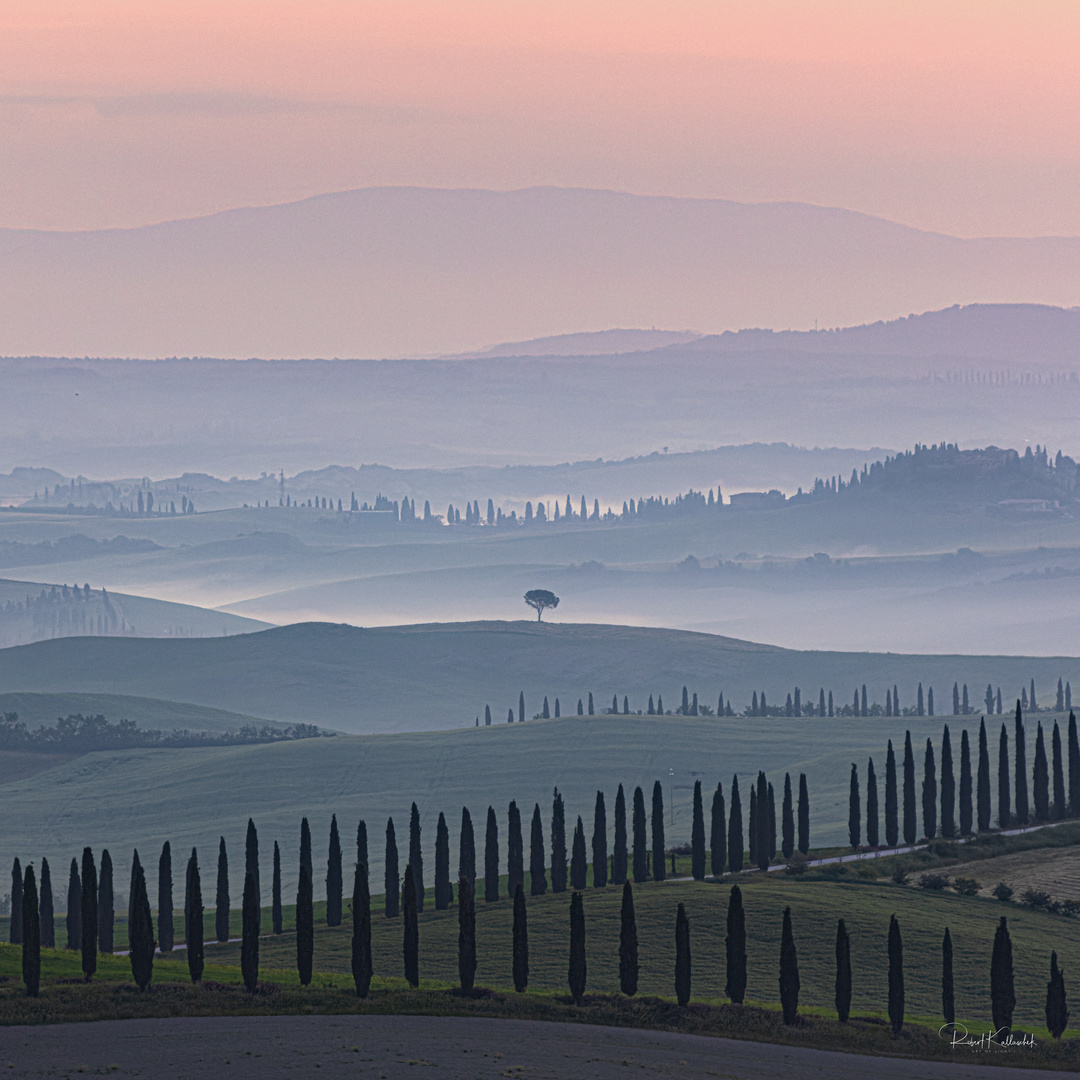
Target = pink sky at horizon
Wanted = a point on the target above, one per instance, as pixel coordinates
(957, 115)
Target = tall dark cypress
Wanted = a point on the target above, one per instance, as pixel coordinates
(515, 851)
(579, 867)
(334, 876)
(89, 914)
(1004, 808)
(718, 833)
(251, 864)
(1021, 781)
(558, 843)
(537, 855)
(770, 804)
(1074, 768)
(789, 972)
(628, 943)
(444, 893)
(754, 829)
(1058, 772)
(787, 842)
(1040, 781)
(361, 843)
(657, 823)
(1057, 1009)
(466, 934)
(361, 933)
(948, 788)
(804, 816)
(872, 821)
(682, 956)
(735, 829)
(466, 849)
(577, 971)
(15, 935)
(411, 939)
(896, 977)
(166, 931)
(249, 935)
(193, 919)
(599, 843)
(276, 916)
(416, 856)
(221, 920)
(982, 783)
(892, 818)
(854, 811)
(31, 925)
(520, 958)
(74, 906)
(762, 846)
(697, 836)
(966, 809)
(391, 877)
(948, 1004)
(929, 793)
(491, 858)
(106, 905)
(305, 924)
(46, 908)
(1002, 991)
(641, 857)
(619, 859)
(842, 995)
(911, 827)
(140, 929)
(735, 948)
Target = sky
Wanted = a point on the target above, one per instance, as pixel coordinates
(952, 115)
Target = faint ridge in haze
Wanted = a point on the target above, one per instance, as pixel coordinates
(590, 343)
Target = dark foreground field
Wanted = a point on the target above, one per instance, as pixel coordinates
(452, 1048)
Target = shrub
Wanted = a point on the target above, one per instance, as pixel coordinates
(1036, 898)
(944, 849)
(900, 874)
(834, 871)
(1003, 891)
(934, 882)
(966, 886)
(797, 864)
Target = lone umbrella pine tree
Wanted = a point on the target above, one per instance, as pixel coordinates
(416, 857)
(89, 914)
(948, 1003)
(682, 956)
(618, 852)
(166, 931)
(697, 836)
(515, 852)
(1004, 798)
(1040, 782)
(735, 829)
(221, 915)
(842, 994)
(444, 894)
(31, 924)
(641, 856)
(854, 817)
(520, 946)
(1002, 990)
(361, 933)
(391, 878)
(411, 939)
(599, 842)
(249, 947)
(106, 905)
(1021, 782)
(735, 948)
(46, 908)
(193, 919)
(911, 827)
(334, 882)
(628, 943)
(305, 925)
(491, 858)
(657, 822)
(466, 848)
(140, 929)
(948, 788)
(74, 906)
(892, 820)
(966, 814)
(578, 859)
(789, 972)
(540, 600)
(718, 833)
(15, 928)
(275, 909)
(466, 934)
(537, 857)
(982, 792)
(577, 971)
(1057, 1009)
(896, 977)
(804, 815)
(929, 793)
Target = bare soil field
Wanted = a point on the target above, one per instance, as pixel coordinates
(1052, 870)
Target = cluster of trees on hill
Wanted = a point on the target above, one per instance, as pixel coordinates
(81, 734)
(62, 611)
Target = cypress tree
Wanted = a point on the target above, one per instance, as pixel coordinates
(929, 793)
(591, 711)
(276, 917)
(444, 893)
(466, 850)
(1002, 992)
(1074, 768)
(391, 877)
(982, 783)
(249, 947)
(641, 856)
(466, 935)
(74, 906)
(854, 813)
(578, 860)
(140, 929)
(416, 857)
(577, 972)
(770, 803)
(306, 857)
(842, 995)
(1004, 810)
(521, 942)
(896, 977)
(491, 858)
(657, 823)
(361, 842)
(872, 822)
(31, 925)
(718, 833)
(334, 876)
(361, 933)
(735, 829)
(1058, 772)
(787, 845)
(628, 943)
(251, 864)
(166, 930)
(804, 815)
(789, 972)
(193, 919)
(558, 843)
(45, 907)
(892, 820)
(1021, 783)
(537, 859)
(15, 935)
(599, 843)
(221, 920)
(106, 906)
(1040, 784)
(1057, 1009)
(948, 788)
(910, 824)
(948, 1005)
(682, 956)
(752, 831)
(89, 914)
(305, 925)
(697, 836)
(966, 815)
(515, 853)
(763, 846)
(735, 948)
(618, 852)
(521, 709)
